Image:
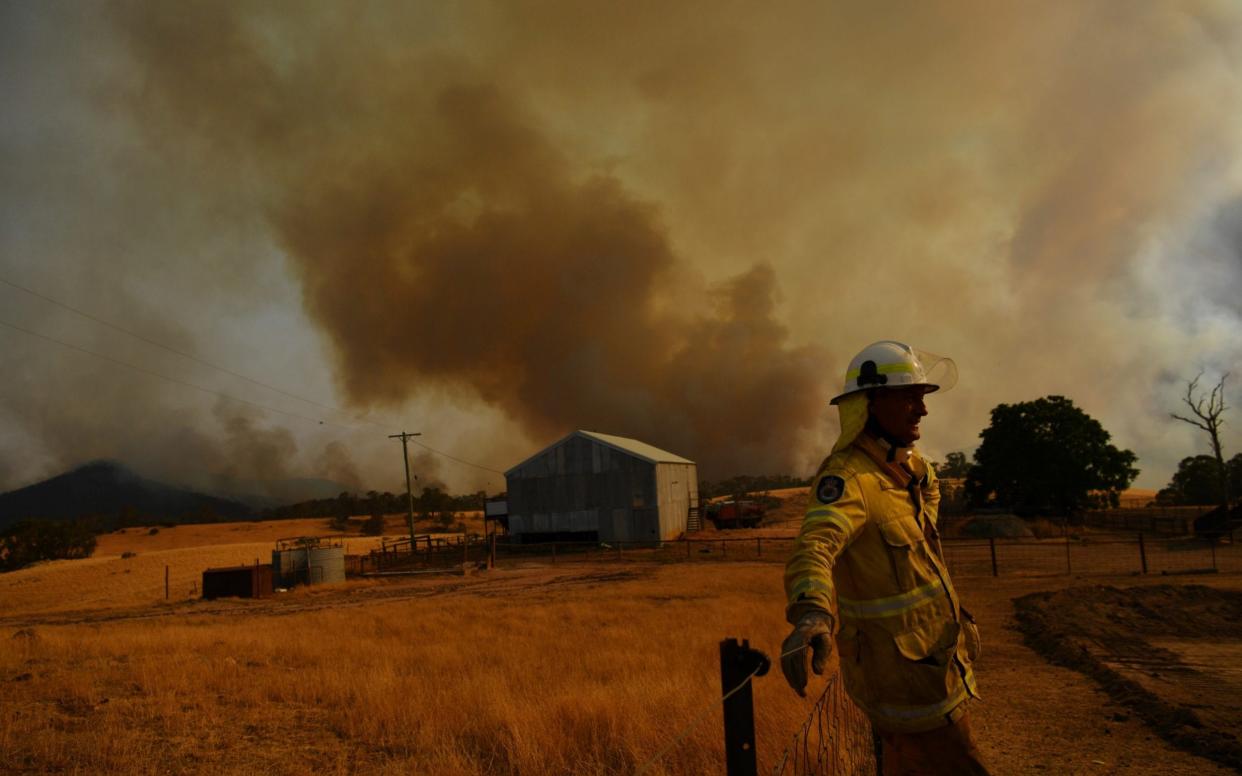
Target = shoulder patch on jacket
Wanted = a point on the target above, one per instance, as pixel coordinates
(829, 489)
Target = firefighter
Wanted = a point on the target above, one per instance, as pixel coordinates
(867, 569)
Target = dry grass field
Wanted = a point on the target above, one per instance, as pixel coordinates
(586, 671)
(108, 579)
(571, 669)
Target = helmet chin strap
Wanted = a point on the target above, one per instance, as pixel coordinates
(894, 445)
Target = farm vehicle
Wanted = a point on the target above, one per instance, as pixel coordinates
(736, 513)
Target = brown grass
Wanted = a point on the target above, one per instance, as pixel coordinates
(107, 580)
(519, 672)
(574, 669)
(140, 539)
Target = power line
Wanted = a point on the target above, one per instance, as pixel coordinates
(170, 379)
(458, 460)
(169, 348)
(226, 370)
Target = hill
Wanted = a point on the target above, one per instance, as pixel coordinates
(117, 495)
(268, 494)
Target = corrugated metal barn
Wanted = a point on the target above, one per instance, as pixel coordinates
(596, 487)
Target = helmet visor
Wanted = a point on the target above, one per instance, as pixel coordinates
(939, 371)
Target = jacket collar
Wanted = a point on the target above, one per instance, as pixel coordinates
(899, 464)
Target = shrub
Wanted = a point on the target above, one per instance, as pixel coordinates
(1043, 528)
(30, 541)
(374, 526)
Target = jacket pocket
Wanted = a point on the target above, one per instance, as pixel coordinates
(925, 671)
(901, 533)
(903, 543)
(929, 644)
(917, 670)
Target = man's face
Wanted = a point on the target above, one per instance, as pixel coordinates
(899, 410)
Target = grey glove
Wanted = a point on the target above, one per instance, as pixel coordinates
(813, 634)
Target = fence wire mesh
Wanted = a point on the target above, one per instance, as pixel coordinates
(1116, 554)
(835, 739)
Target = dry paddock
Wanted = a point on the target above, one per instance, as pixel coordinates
(582, 668)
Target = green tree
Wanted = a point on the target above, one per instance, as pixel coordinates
(340, 521)
(1196, 481)
(955, 465)
(1047, 456)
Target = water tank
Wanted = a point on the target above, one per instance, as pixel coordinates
(310, 564)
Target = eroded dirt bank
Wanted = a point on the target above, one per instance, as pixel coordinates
(1170, 654)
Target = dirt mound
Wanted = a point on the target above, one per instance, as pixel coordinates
(1169, 653)
(998, 527)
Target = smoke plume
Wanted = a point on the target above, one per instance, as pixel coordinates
(443, 240)
(502, 222)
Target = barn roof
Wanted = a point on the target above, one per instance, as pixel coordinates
(634, 447)
(641, 450)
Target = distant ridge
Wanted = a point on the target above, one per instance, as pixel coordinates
(111, 491)
(265, 494)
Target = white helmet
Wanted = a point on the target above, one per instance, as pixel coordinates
(890, 364)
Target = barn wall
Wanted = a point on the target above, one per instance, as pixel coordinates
(580, 486)
(675, 485)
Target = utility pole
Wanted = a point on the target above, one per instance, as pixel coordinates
(409, 494)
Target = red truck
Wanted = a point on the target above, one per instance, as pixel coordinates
(735, 514)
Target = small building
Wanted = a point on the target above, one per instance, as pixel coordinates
(238, 582)
(597, 487)
(496, 510)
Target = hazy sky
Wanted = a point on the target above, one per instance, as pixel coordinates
(497, 223)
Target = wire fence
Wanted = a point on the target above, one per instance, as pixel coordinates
(1140, 554)
(1116, 555)
(835, 738)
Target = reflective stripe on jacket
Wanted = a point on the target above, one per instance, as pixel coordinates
(871, 557)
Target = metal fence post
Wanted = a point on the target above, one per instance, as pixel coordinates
(1142, 552)
(992, 547)
(737, 663)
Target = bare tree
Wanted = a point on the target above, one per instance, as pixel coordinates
(1207, 416)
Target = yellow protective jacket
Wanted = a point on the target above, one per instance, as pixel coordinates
(869, 554)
